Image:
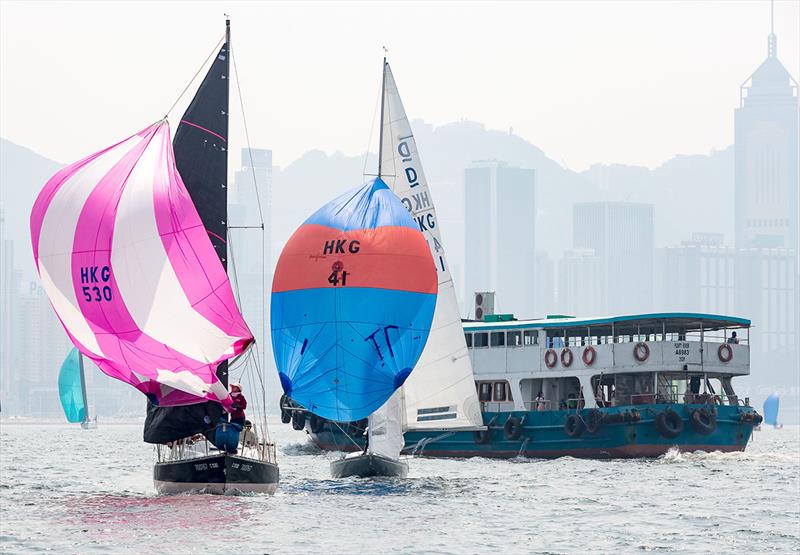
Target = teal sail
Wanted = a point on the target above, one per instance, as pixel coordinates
(771, 406)
(70, 388)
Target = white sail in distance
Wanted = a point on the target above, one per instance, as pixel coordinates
(440, 392)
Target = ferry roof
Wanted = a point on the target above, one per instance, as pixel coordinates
(649, 323)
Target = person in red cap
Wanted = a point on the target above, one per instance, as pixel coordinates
(238, 405)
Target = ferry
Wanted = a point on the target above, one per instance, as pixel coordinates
(610, 387)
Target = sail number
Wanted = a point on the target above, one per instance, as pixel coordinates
(99, 275)
(334, 280)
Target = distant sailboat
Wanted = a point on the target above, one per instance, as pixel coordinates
(771, 406)
(130, 245)
(352, 305)
(72, 391)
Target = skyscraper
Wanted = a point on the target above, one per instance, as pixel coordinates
(500, 223)
(766, 149)
(620, 234)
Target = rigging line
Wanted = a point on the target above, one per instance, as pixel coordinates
(189, 84)
(233, 271)
(247, 137)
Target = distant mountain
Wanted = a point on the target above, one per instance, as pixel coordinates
(22, 175)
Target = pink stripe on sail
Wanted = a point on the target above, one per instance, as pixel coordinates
(54, 184)
(193, 258)
(125, 346)
(204, 129)
(215, 235)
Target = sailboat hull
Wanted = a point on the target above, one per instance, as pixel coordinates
(368, 466)
(217, 474)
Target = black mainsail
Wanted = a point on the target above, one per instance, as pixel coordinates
(201, 156)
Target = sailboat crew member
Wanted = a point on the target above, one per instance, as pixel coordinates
(238, 405)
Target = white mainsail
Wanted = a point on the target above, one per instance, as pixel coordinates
(386, 427)
(440, 392)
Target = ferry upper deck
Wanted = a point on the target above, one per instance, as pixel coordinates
(659, 352)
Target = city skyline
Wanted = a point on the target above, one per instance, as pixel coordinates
(638, 102)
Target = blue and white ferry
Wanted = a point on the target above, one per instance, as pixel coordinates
(624, 386)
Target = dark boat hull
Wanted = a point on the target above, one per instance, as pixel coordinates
(543, 436)
(218, 474)
(368, 466)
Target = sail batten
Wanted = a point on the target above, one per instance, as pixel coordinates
(440, 394)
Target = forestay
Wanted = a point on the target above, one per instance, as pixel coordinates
(440, 394)
(131, 273)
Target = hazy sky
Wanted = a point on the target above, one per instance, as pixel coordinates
(588, 82)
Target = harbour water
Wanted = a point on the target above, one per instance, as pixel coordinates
(67, 490)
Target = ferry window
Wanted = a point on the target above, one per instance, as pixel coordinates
(514, 339)
(480, 340)
(468, 339)
(498, 339)
(485, 392)
(531, 337)
(499, 391)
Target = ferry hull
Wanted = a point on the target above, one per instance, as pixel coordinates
(217, 474)
(543, 435)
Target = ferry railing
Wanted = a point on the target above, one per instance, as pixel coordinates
(546, 404)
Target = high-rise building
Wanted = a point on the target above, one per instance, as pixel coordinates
(500, 222)
(766, 147)
(621, 236)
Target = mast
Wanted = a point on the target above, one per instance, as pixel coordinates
(83, 388)
(383, 103)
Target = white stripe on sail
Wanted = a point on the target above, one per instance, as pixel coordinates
(440, 392)
(146, 279)
(57, 235)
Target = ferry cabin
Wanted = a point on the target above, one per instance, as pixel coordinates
(578, 363)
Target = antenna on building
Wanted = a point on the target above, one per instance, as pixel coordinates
(772, 40)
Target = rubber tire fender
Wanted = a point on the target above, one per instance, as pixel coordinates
(574, 425)
(512, 429)
(298, 420)
(703, 421)
(286, 414)
(594, 420)
(482, 437)
(669, 424)
(316, 423)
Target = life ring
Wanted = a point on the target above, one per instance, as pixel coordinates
(566, 358)
(482, 437)
(512, 428)
(594, 420)
(588, 356)
(703, 421)
(725, 353)
(550, 358)
(574, 426)
(286, 414)
(298, 420)
(641, 351)
(316, 423)
(669, 423)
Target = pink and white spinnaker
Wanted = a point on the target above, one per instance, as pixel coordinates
(128, 266)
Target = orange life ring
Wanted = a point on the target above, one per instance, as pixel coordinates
(728, 352)
(588, 356)
(641, 351)
(566, 357)
(550, 358)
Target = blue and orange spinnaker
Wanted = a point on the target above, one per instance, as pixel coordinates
(352, 304)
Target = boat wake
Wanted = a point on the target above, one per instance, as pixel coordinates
(675, 456)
